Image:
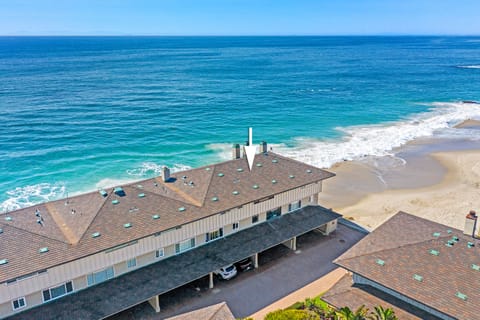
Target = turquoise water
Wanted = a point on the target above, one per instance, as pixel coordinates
(79, 113)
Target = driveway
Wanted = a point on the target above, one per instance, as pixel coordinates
(281, 271)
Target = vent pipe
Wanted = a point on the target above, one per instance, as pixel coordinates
(264, 147)
(470, 224)
(166, 174)
(236, 151)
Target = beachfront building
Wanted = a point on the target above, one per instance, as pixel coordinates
(419, 268)
(96, 254)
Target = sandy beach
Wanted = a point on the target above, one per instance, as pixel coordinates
(441, 186)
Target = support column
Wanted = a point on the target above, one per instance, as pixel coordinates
(210, 282)
(291, 243)
(294, 244)
(255, 260)
(155, 303)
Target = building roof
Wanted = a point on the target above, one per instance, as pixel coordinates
(347, 294)
(68, 227)
(422, 260)
(218, 311)
(130, 289)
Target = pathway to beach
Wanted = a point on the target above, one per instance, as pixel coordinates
(311, 290)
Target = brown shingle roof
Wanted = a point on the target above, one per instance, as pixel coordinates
(68, 236)
(218, 311)
(404, 243)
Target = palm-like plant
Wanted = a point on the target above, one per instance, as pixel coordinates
(381, 313)
(346, 314)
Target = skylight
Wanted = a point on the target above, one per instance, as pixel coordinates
(103, 193)
(235, 192)
(274, 181)
(214, 199)
(115, 201)
(274, 161)
(141, 195)
(475, 267)
(181, 209)
(155, 217)
(291, 176)
(127, 225)
(1, 230)
(95, 234)
(240, 170)
(436, 234)
(220, 174)
(309, 171)
(418, 277)
(255, 186)
(380, 262)
(8, 218)
(461, 296)
(258, 164)
(434, 252)
(43, 250)
(3, 261)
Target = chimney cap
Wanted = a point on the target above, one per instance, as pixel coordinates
(472, 215)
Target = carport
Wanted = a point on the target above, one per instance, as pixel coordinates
(149, 282)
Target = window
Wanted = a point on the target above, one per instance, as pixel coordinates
(255, 218)
(132, 263)
(159, 253)
(56, 292)
(214, 235)
(19, 303)
(184, 245)
(294, 205)
(235, 226)
(274, 213)
(100, 276)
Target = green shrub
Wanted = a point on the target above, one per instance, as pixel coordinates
(291, 314)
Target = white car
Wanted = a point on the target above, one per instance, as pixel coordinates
(227, 272)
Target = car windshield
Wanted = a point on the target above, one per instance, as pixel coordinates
(229, 268)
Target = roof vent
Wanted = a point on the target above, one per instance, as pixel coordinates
(291, 176)
(434, 252)
(3, 261)
(449, 243)
(214, 199)
(255, 186)
(155, 217)
(258, 164)
(309, 171)
(436, 234)
(127, 225)
(115, 201)
(207, 169)
(43, 250)
(449, 231)
(235, 192)
(274, 181)
(141, 195)
(475, 267)
(418, 277)
(103, 193)
(95, 234)
(469, 244)
(119, 191)
(181, 209)
(380, 262)
(461, 296)
(1, 230)
(8, 218)
(240, 170)
(220, 174)
(274, 161)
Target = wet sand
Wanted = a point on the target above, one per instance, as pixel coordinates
(432, 178)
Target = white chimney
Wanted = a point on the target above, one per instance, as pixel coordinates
(166, 174)
(470, 224)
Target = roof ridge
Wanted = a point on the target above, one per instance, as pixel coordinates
(388, 249)
(220, 306)
(95, 217)
(34, 233)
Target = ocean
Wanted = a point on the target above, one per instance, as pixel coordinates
(81, 113)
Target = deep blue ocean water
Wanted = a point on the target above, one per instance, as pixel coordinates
(79, 113)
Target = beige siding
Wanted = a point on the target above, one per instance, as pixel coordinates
(34, 299)
(81, 267)
(146, 259)
(79, 283)
(199, 240)
(6, 308)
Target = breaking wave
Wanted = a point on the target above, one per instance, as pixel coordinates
(26, 196)
(469, 67)
(380, 140)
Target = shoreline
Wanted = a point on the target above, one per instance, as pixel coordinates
(438, 180)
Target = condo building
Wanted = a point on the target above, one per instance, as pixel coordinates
(96, 254)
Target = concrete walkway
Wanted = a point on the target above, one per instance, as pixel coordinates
(309, 291)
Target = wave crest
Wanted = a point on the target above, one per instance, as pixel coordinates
(26, 196)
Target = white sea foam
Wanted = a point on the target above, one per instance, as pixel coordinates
(148, 169)
(26, 196)
(380, 140)
(469, 67)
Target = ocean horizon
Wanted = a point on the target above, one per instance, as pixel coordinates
(82, 113)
